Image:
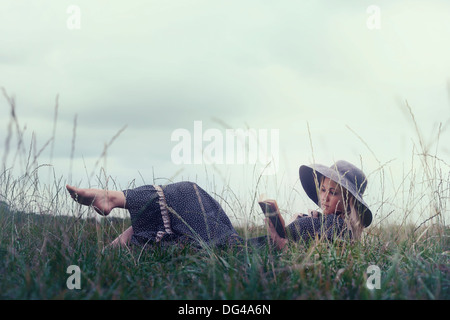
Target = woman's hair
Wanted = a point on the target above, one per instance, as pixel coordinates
(352, 217)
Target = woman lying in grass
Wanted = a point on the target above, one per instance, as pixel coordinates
(185, 212)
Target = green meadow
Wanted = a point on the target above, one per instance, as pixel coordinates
(42, 234)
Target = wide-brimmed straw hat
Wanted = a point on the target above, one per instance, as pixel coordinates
(346, 175)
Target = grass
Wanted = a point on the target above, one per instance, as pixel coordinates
(39, 241)
(36, 250)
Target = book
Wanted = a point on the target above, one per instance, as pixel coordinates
(271, 210)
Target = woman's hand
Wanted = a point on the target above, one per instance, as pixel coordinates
(314, 213)
(311, 214)
(280, 242)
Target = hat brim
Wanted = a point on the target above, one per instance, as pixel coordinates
(310, 180)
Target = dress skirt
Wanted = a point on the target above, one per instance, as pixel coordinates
(181, 211)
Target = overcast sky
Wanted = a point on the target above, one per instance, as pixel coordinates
(285, 66)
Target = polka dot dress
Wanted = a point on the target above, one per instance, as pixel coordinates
(177, 212)
(185, 212)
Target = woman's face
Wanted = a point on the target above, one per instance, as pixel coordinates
(330, 197)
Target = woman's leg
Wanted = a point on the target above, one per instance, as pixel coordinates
(103, 201)
(124, 239)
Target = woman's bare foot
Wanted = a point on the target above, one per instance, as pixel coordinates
(103, 201)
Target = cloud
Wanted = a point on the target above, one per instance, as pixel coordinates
(159, 66)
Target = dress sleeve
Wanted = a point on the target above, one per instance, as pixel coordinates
(303, 229)
(307, 228)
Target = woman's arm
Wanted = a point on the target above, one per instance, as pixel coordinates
(280, 242)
